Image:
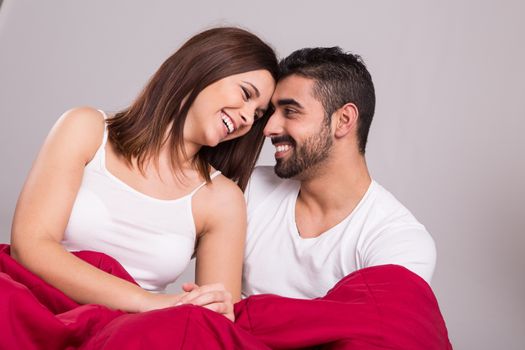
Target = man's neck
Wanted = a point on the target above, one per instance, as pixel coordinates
(331, 194)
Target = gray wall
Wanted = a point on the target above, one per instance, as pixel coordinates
(446, 138)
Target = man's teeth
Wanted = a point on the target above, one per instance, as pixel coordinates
(228, 122)
(282, 148)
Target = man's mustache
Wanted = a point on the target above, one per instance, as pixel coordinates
(283, 138)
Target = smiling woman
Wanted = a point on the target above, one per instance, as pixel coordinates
(234, 103)
(145, 186)
(166, 101)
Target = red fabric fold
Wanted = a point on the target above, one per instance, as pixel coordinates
(35, 315)
(383, 307)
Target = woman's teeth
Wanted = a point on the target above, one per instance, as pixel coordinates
(228, 122)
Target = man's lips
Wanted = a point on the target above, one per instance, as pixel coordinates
(281, 149)
(283, 144)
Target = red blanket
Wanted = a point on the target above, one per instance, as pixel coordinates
(384, 307)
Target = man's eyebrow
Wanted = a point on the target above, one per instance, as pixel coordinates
(257, 93)
(289, 102)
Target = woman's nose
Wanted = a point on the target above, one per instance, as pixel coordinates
(247, 116)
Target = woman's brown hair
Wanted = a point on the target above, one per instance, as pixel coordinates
(139, 131)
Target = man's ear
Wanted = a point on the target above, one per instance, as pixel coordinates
(345, 119)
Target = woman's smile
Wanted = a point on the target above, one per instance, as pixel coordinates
(228, 122)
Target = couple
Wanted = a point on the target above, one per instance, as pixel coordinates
(163, 180)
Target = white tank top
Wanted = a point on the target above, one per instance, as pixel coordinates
(152, 238)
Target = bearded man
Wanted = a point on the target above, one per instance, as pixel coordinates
(321, 216)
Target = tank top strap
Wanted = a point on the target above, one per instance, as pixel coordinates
(105, 136)
(99, 159)
(212, 176)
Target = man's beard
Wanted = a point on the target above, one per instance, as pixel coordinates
(309, 155)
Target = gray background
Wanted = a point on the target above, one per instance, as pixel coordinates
(447, 138)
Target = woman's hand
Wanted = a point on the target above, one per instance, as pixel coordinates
(154, 301)
(211, 296)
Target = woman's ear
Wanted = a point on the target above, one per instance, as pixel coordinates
(345, 119)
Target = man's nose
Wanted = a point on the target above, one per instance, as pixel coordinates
(273, 126)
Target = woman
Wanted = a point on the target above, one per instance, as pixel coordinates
(155, 183)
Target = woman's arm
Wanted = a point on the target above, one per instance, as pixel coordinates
(220, 249)
(220, 213)
(43, 211)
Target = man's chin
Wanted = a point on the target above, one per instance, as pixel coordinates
(284, 172)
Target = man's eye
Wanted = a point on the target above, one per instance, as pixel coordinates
(289, 111)
(247, 94)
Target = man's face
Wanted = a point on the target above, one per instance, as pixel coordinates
(298, 128)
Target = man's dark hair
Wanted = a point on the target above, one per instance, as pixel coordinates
(340, 78)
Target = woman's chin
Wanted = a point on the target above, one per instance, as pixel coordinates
(214, 142)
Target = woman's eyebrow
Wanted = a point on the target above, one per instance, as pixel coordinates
(257, 93)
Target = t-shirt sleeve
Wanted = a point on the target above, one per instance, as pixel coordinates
(261, 183)
(409, 246)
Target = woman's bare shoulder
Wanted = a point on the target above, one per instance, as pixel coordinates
(223, 187)
(79, 117)
(81, 128)
(220, 194)
(220, 207)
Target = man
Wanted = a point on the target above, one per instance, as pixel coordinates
(321, 217)
(332, 259)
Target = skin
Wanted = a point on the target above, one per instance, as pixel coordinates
(236, 96)
(333, 187)
(46, 200)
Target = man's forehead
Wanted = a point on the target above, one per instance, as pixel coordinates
(293, 87)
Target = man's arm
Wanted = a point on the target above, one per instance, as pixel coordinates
(410, 246)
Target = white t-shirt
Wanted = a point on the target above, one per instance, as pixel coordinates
(380, 230)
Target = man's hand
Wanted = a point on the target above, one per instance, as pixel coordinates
(211, 296)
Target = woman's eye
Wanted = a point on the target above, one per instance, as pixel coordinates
(247, 94)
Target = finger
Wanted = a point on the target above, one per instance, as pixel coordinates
(189, 286)
(210, 298)
(208, 288)
(189, 296)
(223, 309)
(214, 296)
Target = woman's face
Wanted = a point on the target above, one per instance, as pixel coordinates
(227, 108)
